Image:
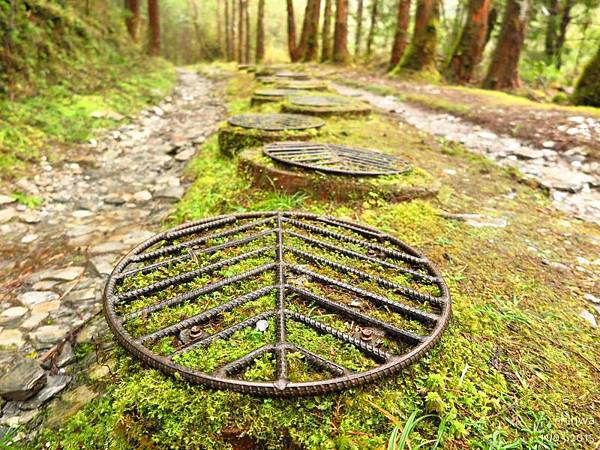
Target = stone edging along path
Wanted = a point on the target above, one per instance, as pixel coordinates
(55, 260)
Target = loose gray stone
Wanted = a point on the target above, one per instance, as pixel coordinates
(589, 318)
(11, 337)
(170, 193)
(54, 384)
(22, 380)
(592, 298)
(142, 196)
(64, 274)
(34, 321)
(34, 297)
(48, 335)
(7, 214)
(12, 315)
(102, 265)
(185, 154)
(108, 247)
(5, 199)
(66, 356)
(114, 200)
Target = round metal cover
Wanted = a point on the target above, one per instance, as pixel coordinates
(333, 158)
(276, 92)
(292, 75)
(325, 101)
(304, 84)
(275, 122)
(276, 303)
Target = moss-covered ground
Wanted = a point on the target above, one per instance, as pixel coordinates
(517, 368)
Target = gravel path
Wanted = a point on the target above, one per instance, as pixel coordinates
(573, 187)
(54, 259)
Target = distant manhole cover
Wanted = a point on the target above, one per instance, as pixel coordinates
(275, 92)
(276, 303)
(275, 122)
(292, 75)
(334, 158)
(308, 85)
(320, 101)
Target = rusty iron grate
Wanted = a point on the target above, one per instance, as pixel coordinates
(277, 92)
(275, 122)
(292, 75)
(276, 303)
(303, 84)
(320, 101)
(333, 158)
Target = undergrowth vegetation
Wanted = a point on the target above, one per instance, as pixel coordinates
(516, 368)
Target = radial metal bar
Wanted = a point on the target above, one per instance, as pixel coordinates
(206, 315)
(190, 295)
(393, 331)
(244, 362)
(405, 310)
(192, 242)
(282, 367)
(403, 290)
(320, 362)
(365, 244)
(373, 352)
(223, 334)
(187, 276)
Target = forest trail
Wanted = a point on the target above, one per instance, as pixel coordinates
(114, 194)
(574, 188)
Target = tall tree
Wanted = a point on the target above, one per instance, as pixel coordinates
(340, 39)
(503, 72)
(133, 18)
(233, 29)
(359, 23)
(373, 26)
(154, 28)
(228, 45)
(309, 41)
(260, 32)
(587, 90)
(553, 9)
(219, 29)
(291, 31)
(469, 49)
(326, 48)
(401, 34)
(421, 53)
(247, 31)
(241, 33)
(562, 31)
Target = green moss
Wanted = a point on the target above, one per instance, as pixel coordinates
(587, 90)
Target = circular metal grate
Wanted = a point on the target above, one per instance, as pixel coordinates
(334, 158)
(292, 75)
(276, 92)
(304, 84)
(276, 303)
(275, 122)
(326, 101)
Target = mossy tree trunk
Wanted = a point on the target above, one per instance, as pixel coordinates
(373, 26)
(421, 54)
(562, 32)
(228, 49)
(551, 29)
(503, 72)
(241, 33)
(260, 32)
(308, 49)
(133, 19)
(326, 48)
(219, 28)
(491, 24)
(247, 31)
(233, 29)
(587, 90)
(154, 28)
(469, 49)
(359, 23)
(340, 39)
(401, 34)
(291, 32)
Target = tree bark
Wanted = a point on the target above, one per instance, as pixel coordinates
(260, 32)
(503, 72)
(309, 42)
(491, 24)
(326, 49)
(219, 29)
(469, 51)
(340, 40)
(421, 54)
(133, 19)
(228, 51)
(587, 90)
(401, 34)
(154, 28)
(371, 36)
(247, 31)
(241, 34)
(359, 23)
(562, 32)
(233, 31)
(291, 31)
(551, 30)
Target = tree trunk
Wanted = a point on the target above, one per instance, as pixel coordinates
(291, 31)
(154, 28)
(359, 21)
(228, 50)
(340, 39)
(133, 19)
(260, 32)
(587, 91)
(551, 30)
(469, 50)
(401, 34)
(491, 24)
(326, 33)
(247, 31)
(233, 30)
(421, 54)
(562, 32)
(219, 29)
(371, 36)
(241, 34)
(309, 41)
(503, 72)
